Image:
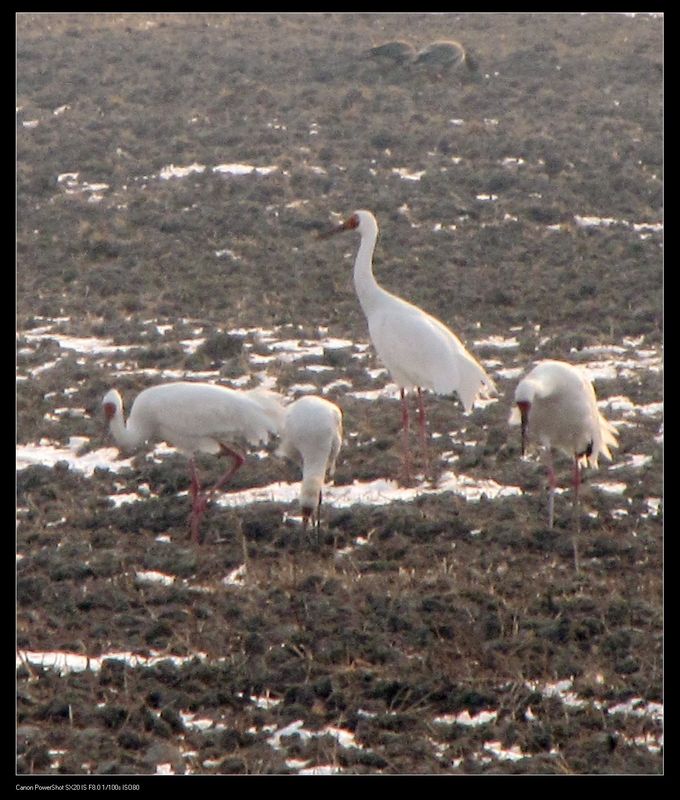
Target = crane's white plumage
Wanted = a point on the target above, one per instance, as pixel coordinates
(561, 412)
(312, 434)
(196, 417)
(417, 349)
(557, 408)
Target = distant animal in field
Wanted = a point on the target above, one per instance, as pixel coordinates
(395, 53)
(442, 57)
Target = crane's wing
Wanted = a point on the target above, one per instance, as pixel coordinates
(336, 444)
(603, 432)
(199, 416)
(420, 351)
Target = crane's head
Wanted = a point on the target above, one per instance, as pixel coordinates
(524, 397)
(310, 512)
(361, 221)
(307, 515)
(111, 404)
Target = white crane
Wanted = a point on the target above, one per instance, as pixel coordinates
(193, 418)
(418, 350)
(312, 433)
(557, 408)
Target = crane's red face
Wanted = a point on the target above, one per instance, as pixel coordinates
(524, 407)
(109, 411)
(348, 225)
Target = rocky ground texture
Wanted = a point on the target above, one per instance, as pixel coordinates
(173, 171)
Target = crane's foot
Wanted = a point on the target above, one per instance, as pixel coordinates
(406, 478)
(577, 563)
(428, 471)
(551, 507)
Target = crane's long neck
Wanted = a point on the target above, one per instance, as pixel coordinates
(128, 436)
(309, 490)
(366, 286)
(314, 466)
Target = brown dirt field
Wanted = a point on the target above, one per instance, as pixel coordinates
(391, 641)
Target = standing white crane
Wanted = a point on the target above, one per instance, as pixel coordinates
(557, 407)
(193, 418)
(312, 433)
(418, 350)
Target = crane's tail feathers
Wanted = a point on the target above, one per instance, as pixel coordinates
(609, 438)
(473, 383)
(489, 388)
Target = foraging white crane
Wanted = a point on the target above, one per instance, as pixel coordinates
(312, 433)
(418, 350)
(557, 407)
(193, 418)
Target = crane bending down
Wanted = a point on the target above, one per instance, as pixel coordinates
(193, 418)
(312, 433)
(418, 350)
(556, 406)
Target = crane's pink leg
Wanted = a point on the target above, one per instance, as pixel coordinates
(405, 426)
(577, 510)
(318, 515)
(552, 485)
(238, 460)
(423, 433)
(198, 503)
(313, 517)
(195, 484)
(577, 479)
(201, 499)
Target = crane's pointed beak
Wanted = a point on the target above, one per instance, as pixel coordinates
(524, 407)
(307, 515)
(348, 225)
(332, 231)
